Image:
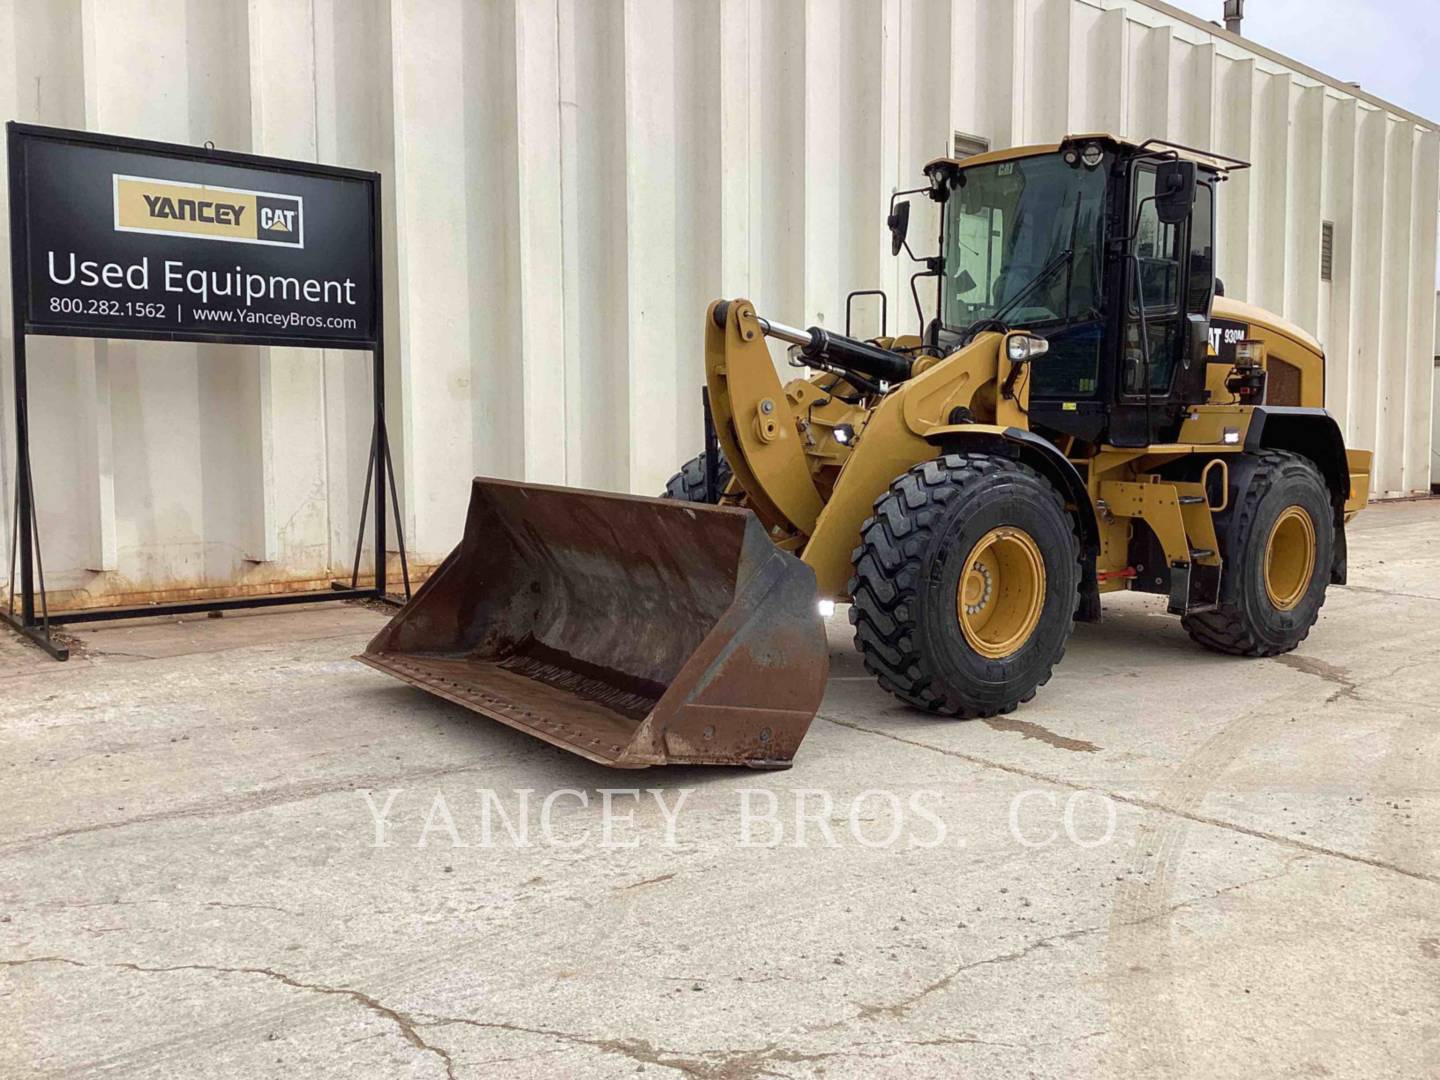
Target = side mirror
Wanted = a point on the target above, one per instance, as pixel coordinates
(1174, 191)
(899, 223)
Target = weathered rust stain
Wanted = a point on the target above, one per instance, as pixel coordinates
(1028, 729)
(628, 630)
(111, 590)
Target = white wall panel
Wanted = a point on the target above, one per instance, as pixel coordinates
(1234, 126)
(568, 182)
(1397, 246)
(1420, 314)
(1337, 187)
(352, 42)
(1435, 399)
(1367, 280)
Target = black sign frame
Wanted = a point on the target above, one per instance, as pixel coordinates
(25, 537)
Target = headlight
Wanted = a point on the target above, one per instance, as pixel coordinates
(1022, 347)
(1092, 155)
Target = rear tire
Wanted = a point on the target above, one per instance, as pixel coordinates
(688, 485)
(966, 585)
(1277, 540)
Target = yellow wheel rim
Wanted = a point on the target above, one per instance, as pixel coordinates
(1001, 592)
(1289, 558)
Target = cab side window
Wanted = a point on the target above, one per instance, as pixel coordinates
(1200, 291)
(1156, 283)
(1157, 246)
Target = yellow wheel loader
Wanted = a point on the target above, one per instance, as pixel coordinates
(1083, 412)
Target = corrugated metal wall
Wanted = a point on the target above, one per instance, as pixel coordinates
(1435, 414)
(570, 181)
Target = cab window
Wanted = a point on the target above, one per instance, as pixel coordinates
(1158, 248)
(1155, 285)
(1200, 291)
(1006, 225)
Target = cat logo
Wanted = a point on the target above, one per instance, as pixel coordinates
(203, 211)
(1225, 334)
(280, 221)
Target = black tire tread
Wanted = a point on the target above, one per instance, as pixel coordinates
(688, 485)
(1226, 629)
(887, 577)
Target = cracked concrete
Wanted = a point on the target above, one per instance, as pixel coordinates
(1170, 864)
(405, 1024)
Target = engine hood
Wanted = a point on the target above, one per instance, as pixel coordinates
(1238, 311)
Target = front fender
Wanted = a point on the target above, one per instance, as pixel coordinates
(1040, 454)
(1045, 458)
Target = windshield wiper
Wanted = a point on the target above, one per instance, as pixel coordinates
(1044, 275)
(1046, 272)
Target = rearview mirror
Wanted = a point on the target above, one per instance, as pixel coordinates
(1174, 191)
(899, 222)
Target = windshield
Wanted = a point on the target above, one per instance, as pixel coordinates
(1005, 224)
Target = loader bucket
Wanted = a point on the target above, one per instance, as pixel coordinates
(631, 631)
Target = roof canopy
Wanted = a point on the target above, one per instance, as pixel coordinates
(1218, 163)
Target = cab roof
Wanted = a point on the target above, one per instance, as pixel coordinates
(1218, 163)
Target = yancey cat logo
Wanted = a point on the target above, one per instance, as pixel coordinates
(176, 208)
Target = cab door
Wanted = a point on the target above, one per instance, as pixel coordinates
(1169, 284)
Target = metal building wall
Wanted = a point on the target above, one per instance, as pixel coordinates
(569, 182)
(1435, 414)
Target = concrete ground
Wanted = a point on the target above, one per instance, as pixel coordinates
(1170, 864)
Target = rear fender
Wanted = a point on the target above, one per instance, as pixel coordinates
(1313, 433)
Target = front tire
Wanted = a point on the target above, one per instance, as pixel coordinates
(1278, 544)
(966, 585)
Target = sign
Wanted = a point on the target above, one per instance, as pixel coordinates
(122, 238)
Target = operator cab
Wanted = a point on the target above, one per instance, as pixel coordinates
(1104, 248)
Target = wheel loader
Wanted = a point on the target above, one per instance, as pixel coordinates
(1083, 411)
